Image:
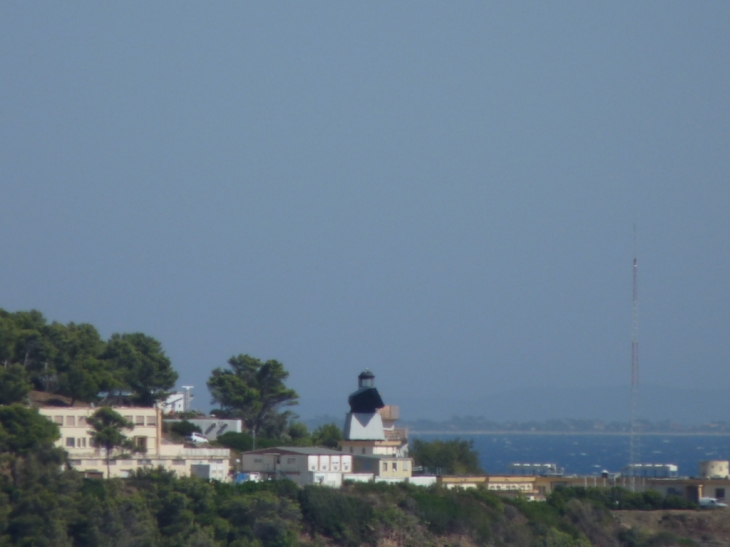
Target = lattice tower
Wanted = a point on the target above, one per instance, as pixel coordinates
(634, 437)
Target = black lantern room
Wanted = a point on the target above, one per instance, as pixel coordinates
(366, 400)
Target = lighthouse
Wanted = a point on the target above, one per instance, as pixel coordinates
(370, 424)
(363, 422)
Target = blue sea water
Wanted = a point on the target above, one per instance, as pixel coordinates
(590, 454)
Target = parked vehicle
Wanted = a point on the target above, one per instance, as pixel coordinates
(196, 438)
(711, 503)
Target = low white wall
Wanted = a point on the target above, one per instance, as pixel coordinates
(422, 480)
(358, 477)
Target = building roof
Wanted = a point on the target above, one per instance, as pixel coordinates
(303, 450)
(380, 457)
(204, 419)
(365, 400)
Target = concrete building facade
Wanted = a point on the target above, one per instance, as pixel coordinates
(303, 465)
(715, 469)
(383, 466)
(213, 463)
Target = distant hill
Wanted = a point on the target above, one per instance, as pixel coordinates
(607, 403)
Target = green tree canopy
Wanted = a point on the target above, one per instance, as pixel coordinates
(142, 366)
(74, 361)
(455, 457)
(252, 390)
(81, 373)
(24, 430)
(328, 435)
(107, 425)
(14, 384)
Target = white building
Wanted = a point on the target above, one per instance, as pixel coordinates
(178, 401)
(213, 428)
(656, 470)
(303, 465)
(213, 463)
(715, 469)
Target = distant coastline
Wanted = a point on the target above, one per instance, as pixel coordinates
(416, 432)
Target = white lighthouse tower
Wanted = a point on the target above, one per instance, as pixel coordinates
(365, 433)
(363, 422)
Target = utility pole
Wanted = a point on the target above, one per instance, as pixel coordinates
(634, 448)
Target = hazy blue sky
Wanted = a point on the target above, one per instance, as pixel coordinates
(441, 191)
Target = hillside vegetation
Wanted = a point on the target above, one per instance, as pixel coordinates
(44, 503)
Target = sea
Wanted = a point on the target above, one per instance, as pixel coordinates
(590, 454)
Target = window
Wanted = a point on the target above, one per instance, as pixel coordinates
(405, 466)
(351, 450)
(128, 418)
(141, 443)
(71, 421)
(363, 450)
(257, 460)
(178, 462)
(82, 421)
(720, 493)
(395, 466)
(385, 466)
(291, 460)
(139, 420)
(58, 420)
(70, 442)
(81, 442)
(151, 420)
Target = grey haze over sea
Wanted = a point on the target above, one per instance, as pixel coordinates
(608, 403)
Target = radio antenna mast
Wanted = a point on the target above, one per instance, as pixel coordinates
(634, 448)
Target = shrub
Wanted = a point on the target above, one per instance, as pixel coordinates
(184, 428)
(334, 514)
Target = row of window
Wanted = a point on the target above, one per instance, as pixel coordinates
(312, 467)
(83, 442)
(346, 467)
(139, 420)
(335, 467)
(80, 421)
(133, 462)
(394, 466)
(78, 442)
